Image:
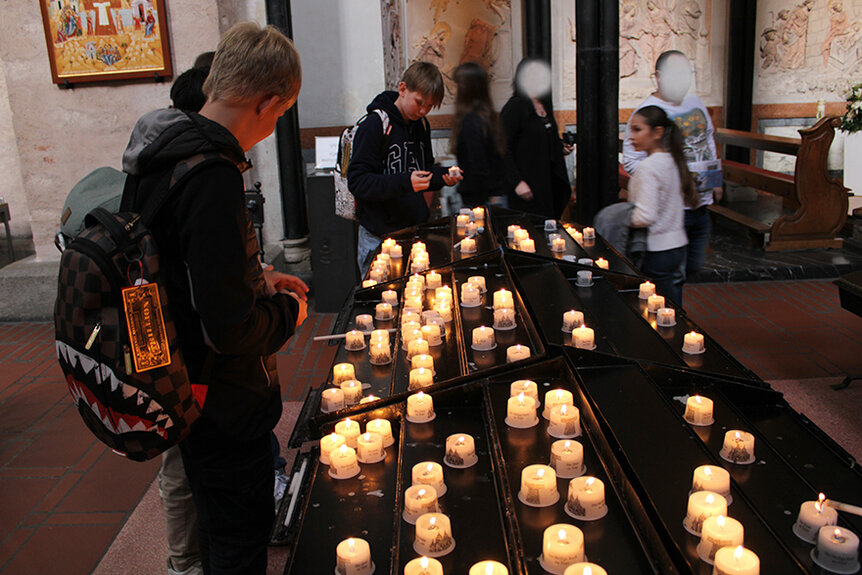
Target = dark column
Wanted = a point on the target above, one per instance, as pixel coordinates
(537, 29)
(740, 72)
(597, 58)
(291, 167)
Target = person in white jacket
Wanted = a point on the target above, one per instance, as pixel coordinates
(660, 190)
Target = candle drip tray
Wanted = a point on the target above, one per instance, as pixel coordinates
(690, 352)
(521, 425)
(420, 419)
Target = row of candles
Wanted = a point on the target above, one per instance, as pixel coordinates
(469, 222)
(693, 342)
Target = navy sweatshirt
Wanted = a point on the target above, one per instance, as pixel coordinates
(380, 180)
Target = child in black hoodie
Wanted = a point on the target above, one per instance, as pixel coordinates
(387, 181)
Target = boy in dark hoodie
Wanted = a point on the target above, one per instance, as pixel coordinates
(231, 316)
(388, 184)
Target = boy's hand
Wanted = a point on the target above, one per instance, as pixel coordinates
(277, 281)
(452, 177)
(523, 190)
(302, 312)
(420, 180)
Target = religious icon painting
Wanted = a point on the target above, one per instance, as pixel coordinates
(105, 40)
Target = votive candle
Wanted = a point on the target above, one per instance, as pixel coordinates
(527, 245)
(565, 422)
(349, 429)
(431, 334)
(503, 298)
(589, 233)
(646, 289)
(504, 319)
(369, 448)
(693, 343)
(586, 498)
(429, 473)
(390, 297)
(383, 311)
(479, 213)
(562, 545)
(433, 535)
(654, 302)
(331, 399)
(585, 568)
(837, 550)
(379, 336)
(483, 338)
(470, 295)
(420, 377)
(510, 231)
(380, 354)
(460, 450)
(353, 557)
(584, 337)
(517, 352)
(698, 410)
(369, 282)
(521, 236)
(422, 360)
(327, 444)
(364, 322)
(539, 486)
(383, 428)
(521, 411)
(812, 516)
(738, 447)
(703, 504)
(555, 397)
(423, 566)
(479, 282)
(468, 246)
(527, 387)
(736, 561)
(572, 319)
(558, 245)
(343, 463)
(717, 532)
(602, 263)
(417, 346)
(488, 568)
(461, 220)
(585, 278)
(567, 458)
(712, 478)
(433, 280)
(418, 500)
(354, 340)
(396, 252)
(420, 408)
(342, 372)
(352, 390)
(550, 225)
(666, 317)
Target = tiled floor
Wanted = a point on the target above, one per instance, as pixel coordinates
(64, 497)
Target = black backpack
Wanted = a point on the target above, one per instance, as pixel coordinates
(116, 341)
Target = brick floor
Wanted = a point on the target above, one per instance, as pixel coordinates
(63, 495)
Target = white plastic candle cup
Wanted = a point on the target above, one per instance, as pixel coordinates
(576, 235)
(510, 231)
(538, 486)
(422, 360)
(479, 214)
(712, 478)
(433, 280)
(349, 429)
(369, 282)
(352, 390)
(444, 308)
(584, 337)
(738, 447)
(479, 282)
(698, 410)
(488, 568)
(703, 504)
(717, 532)
(646, 289)
(521, 412)
(589, 233)
(565, 422)
(693, 343)
(525, 386)
(331, 399)
(380, 354)
(343, 463)
(423, 566)
(420, 279)
(504, 319)
(386, 246)
(470, 296)
(471, 229)
(379, 336)
(567, 458)
(460, 451)
(419, 500)
(410, 333)
(555, 397)
(383, 428)
(342, 372)
(585, 278)
(353, 557)
(418, 247)
(369, 448)
(483, 338)
(585, 261)
(586, 499)
(432, 317)
(420, 408)
(364, 322)
(812, 516)
(468, 246)
(527, 245)
(503, 298)
(562, 545)
(417, 346)
(383, 311)
(377, 275)
(602, 263)
(461, 220)
(327, 444)
(429, 473)
(431, 334)
(572, 319)
(520, 236)
(666, 317)
(396, 252)
(654, 302)
(420, 378)
(736, 561)
(558, 245)
(837, 550)
(585, 568)
(517, 352)
(419, 265)
(354, 340)
(433, 535)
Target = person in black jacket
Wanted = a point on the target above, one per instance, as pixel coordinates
(231, 315)
(477, 140)
(389, 171)
(535, 167)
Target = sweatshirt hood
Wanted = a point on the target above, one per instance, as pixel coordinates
(386, 101)
(163, 137)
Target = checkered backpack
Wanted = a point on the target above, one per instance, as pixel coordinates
(345, 202)
(116, 341)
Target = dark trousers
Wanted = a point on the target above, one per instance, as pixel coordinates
(665, 269)
(697, 228)
(232, 485)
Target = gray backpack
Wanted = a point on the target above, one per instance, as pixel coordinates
(345, 202)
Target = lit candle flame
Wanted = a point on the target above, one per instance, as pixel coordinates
(559, 394)
(348, 422)
(429, 468)
(587, 571)
(350, 545)
(589, 483)
(561, 534)
(540, 473)
(720, 520)
(836, 535)
(367, 437)
(821, 498)
(738, 553)
(342, 449)
(421, 369)
(489, 569)
(563, 409)
(692, 333)
(333, 437)
(707, 471)
(698, 399)
(421, 494)
(423, 562)
(433, 522)
(566, 445)
(710, 499)
(738, 436)
(460, 440)
(521, 398)
(421, 395)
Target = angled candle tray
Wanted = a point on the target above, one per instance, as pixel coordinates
(454, 361)
(611, 307)
(442, 239)
(502, 218)
(640, 415)
(488, 519)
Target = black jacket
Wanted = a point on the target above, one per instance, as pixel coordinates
(381, 183)
(481, 163)
(534, 154)
(228, 327)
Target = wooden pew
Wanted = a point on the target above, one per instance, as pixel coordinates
(814, 205)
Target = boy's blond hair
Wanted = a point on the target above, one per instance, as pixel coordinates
(425, 78)
(252, 61)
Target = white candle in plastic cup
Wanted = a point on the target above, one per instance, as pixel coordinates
(429, 473)
(383, 428)
(736, 561)
(562, 545)
(646, 289)
(517, 353)
(327, 444)
(711, 478)
(331, 399)
(353, 557)
(812, 516)
(585, 568)
(572, 319)
(488, 568)
(703, 504)
(717, 532)
(342, 372)
(420, 407)
(525, 386)
(698, 410)
(423, 566)
(584, 337)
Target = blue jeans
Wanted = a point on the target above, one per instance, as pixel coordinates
(366, 244)
(697, 227)
(667, 271)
